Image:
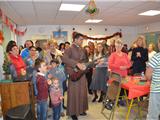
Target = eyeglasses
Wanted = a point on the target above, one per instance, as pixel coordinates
(33, 50)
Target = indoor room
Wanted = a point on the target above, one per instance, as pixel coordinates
(79, 59)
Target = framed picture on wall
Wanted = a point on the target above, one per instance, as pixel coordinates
(60, 36)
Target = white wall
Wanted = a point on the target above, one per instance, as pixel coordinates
(153, 27)
(8, 35)
(2, 57)
(45, 31)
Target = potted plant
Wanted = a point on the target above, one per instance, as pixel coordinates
(6, 67)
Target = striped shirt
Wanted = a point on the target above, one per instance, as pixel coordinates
(104, 61)
(154, 63)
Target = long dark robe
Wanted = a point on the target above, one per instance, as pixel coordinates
(77, 100)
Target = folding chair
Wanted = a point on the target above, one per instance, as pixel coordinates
(113, 93)
(144, 103)
(143, 106)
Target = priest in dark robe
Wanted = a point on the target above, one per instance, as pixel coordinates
(77, 100)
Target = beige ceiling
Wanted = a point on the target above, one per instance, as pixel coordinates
(46, 12)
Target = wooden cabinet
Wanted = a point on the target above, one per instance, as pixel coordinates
(16, 93)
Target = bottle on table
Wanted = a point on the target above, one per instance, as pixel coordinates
(143, 76)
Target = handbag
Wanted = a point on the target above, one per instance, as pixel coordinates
(108, 104)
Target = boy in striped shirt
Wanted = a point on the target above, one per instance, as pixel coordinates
(153, 73)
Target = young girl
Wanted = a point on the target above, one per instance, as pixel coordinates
(56, 98)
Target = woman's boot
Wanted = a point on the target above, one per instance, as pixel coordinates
(95, 96)
(101, 97)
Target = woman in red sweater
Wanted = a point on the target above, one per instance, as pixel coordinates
(118, 61)
(17, 62)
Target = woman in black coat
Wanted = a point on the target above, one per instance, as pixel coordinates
(139, 56)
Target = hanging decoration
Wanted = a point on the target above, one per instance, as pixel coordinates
(92, 9)
(7, 22)
(59, 32)
(1, 37)
(103, 38)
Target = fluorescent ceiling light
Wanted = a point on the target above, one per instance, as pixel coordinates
(93, 21)
(71, 7)
(150, 13)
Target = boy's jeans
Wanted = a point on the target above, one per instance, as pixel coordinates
(56, 112)
(154, 106)
(42, 110)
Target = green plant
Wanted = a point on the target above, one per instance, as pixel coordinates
(6, 64)
(91, 11)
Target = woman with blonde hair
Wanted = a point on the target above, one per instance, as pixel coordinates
(133, 45)
(53, 52)
(143, 39)
(43, 53)
(139, 56)
(151, 51)
(118, 61)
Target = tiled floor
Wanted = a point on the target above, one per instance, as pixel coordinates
(94, 113)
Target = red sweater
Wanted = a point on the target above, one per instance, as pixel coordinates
(115, 61)
(55, 96)
(18, 63)
(42, 88)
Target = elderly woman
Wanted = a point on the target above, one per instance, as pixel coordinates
(139, 56)
(43, 53)
(52, 52)
(118, 61)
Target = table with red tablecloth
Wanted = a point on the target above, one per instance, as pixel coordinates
(135, 87)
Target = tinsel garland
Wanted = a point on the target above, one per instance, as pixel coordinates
(102, 38)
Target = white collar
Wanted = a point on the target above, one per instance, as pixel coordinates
(40, 74)
(76, 45)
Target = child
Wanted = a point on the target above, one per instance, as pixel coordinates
(42, 87)
(57, 72)
(56, 98)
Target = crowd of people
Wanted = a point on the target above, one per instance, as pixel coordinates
(51, 66)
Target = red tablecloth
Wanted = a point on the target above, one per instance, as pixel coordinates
(134, 87)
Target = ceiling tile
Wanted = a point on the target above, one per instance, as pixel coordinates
(113, 12)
